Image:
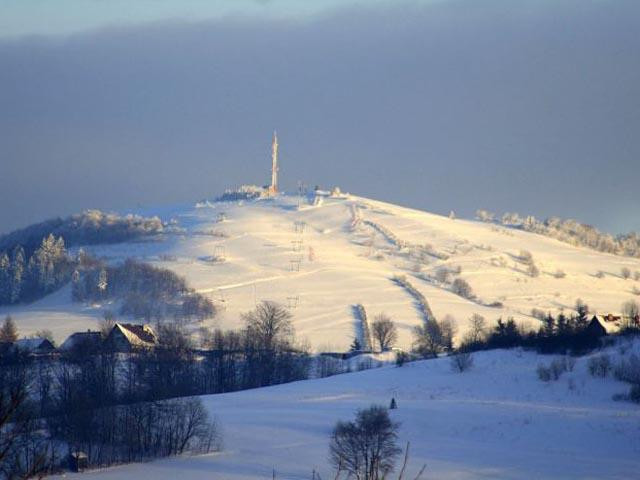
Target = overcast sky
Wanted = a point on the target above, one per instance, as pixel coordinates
(529, 106)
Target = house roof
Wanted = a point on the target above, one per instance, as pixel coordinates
(139, 335)
(32, 344)
(79, 338)
(610, 323)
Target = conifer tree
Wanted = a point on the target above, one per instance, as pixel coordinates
(5, 278)
(17, 274)
(8, 331)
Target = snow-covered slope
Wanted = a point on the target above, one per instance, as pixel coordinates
(321, 259)
(496, 421)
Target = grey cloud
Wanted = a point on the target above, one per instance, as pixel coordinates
(532, 108)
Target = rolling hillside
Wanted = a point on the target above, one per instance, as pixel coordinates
(495, 421)
(323, 257)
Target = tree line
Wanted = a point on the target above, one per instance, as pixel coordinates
(46, 415)
(88, 228)
(570, 231)
(118, 408)
(26, 277)
(147, 292)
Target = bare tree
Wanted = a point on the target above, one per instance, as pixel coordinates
(429, 341)
(365, 448)
(384, 331)
(448, 328)
(477, 328)
(269, 323)
(25, 451)
(630, 312)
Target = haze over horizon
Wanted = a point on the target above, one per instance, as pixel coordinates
(436, 105)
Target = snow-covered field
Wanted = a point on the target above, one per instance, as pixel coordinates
(320, 260)
(496, 421)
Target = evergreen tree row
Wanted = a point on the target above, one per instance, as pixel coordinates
(44, 271)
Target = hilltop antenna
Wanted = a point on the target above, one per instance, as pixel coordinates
(273, 188)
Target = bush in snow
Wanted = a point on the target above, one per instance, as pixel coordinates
(401, 358)
(636, 276)
(600, 274)
(625, 273)
(634, 393)
(544, 373)
(462, 288)
(327, 366)
(525, 257)
(555, 369)
(461, 361)
(559, 274)
(532, 270)
(443, 275)
(628, 370)
(599, 366)
(570, 363)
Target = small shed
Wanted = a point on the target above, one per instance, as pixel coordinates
(78, 461)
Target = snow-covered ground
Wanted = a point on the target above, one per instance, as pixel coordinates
(496, 421)
(319, 262)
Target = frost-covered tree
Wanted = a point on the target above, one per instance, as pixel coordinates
(17, 274)
(484, 216)
(630, 311)
(576, 233)
(102, 282)
(5, 278)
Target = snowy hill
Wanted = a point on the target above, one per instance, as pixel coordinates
(323, 256)
(495, 421)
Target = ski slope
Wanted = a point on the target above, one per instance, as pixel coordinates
(322, 256)
(495, 421)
